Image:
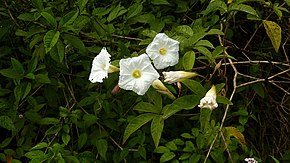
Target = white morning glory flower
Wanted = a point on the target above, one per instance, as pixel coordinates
(209, 100)
(100, 66)
(163, 51)
(177, 76)
(251, 160)
(137, 74)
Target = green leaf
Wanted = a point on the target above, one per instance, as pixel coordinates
(33, 154)
(53, 130)
(9, 73)
(167, 157)
(184, 156)
(146, 107)
(50, 39)
(17, 66)
(223, 100)
(204, 43)
(274, 33)
(136, 123)
(57, 52)
(204, 119)
(244, 8)
(116, 12)
(134, 10)
(232, 131)
(195, 87)
(49, 18)
(160, 2)
(39, 146)
(161, 149)
(68, 19)
(102, 147)
(6, 123)
(200, 141)
(42, 78)
(157, 128)
(276, 160)
(82, 140)
(189, 147)
(38, 4)
(25, 89)
(187, 135)
(185, 29)
(188, 60)
(184, 102)
(75, 42)
(82, 4)
(259, 89)
(215, 32)
(26, 16)
(171, 145)
(65, 138)
(49, 121)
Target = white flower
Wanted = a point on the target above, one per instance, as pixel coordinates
(100, 66)
(251, 160)
(209, 100)
(163, 51)
(137, 74)
(176, 76)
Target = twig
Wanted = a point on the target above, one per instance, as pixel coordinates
(126, 37)
(226, 145)
(251, 82)
(282, 72)
(284, 51)
(258, 62)
(10, 14)
(280, 88)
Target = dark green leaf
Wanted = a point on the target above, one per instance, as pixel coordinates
(223, 100)
(49, 121)
(75, 42)
(188, 60)
(134, 10)
(9, 73)
(157, 128)
(49, 18)
(65, 138)
(38, 4)
(102, 147)
(26, 16)
(146, 107)
(68, 19)
(195, 87)
(6, 123)
(136, 123)
(82, 140)
(82, 4)
(160, 2)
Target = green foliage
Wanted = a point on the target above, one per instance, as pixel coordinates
(51, 112)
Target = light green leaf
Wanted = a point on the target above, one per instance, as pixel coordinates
(39, 146)
(82, 4)
(188, 60)
(160, 2)
(17, 66)
(82, 140)
(204, 43)
(102, 147)
(184, 102)
(134, 10)
(161, 149)
(223, 100)
(68, 19)
(65, 138)
(167, 156)
(244, 8)
(146, 107)
(171, 145)
(136, 123)
(38, 4)
(49, 121)
(274, 32)
(157, 128)
(6, 123)
(50, 39)
(215, 32)
(26, 16)
(195, 87)
(42, 78)
(116, 12)
(9, 73)
(49, 18)
(185, 29)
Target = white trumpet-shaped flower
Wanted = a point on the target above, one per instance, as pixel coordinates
(251, 160)
(163, 51)
(209, 100)
(100, 66)
(177, 76)
(137, 74)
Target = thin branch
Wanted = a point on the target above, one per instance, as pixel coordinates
(251, 82)
(282, 72)
(258, 62)
(10, 14)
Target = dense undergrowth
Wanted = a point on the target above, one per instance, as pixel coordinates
(51, 112)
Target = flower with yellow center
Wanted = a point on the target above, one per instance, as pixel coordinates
(100, 66)
(209, 100)
(163, 51)
(137, 74)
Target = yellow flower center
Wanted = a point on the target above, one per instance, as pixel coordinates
(136, 74)
(162, 51)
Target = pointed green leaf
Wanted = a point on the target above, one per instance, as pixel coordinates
(82, 4)
(223, 100)
(49, 18)
(136, 123)
(204, 119)
(40, 146)
(146, 107)
(75, 42)
(244, 8)
(68, 19)
(134, 10)
(116, 12)
(157, 128)
(102, 147)
(65, 138)
(82, 140)
(38, 4)
(160, 2)
(274, 32)
(188, 60)
(49, 121)
(184, 102)
(26, 16)
(17, 66)
(167, 156)
(195, 87)
(50, 39)
(9, 73)
(7, 123)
